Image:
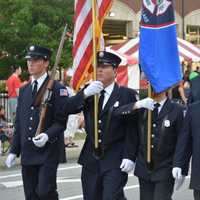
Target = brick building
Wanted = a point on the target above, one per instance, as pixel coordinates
(124, 16)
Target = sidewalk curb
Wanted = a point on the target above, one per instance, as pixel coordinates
(71, 154)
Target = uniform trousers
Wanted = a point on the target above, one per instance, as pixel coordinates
(196, 194)
(159, 190)
(103, 186)
(40, 181)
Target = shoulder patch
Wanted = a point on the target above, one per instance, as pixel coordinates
(64, 92)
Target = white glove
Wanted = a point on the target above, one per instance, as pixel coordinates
(147, 103)
(10, 160)
(177, 172)
(95, 87)
(127, 165)
(40, 140)
(179, 178)
(179, 182)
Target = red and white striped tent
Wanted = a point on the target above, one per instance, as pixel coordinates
(128, 72)
(130, 49)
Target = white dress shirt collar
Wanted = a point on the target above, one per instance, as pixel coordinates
(109, 89)
(40, 80)
(108, 92)
(161, 104)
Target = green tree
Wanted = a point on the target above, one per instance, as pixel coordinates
(26, 22)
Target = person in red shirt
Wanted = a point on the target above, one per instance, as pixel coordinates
(13, 84)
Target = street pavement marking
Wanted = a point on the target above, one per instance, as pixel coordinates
(67, 168)
(10, 176)
(59, 169)
(73, 197)
(18, 183)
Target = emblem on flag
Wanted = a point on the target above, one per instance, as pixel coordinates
(162, 6)
(157, 13)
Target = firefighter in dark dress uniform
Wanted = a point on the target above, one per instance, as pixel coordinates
(155, 179)
(187, 147)
(40, 154)
(104, 177)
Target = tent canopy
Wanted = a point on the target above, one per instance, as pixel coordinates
(129, 50)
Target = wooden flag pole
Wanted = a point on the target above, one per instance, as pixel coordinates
(94, 21)
(149, 129)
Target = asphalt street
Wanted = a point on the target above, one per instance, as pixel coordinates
(69, 185)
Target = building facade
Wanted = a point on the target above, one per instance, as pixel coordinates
(123, 20)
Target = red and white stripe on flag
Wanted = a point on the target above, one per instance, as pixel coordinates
(82, 41)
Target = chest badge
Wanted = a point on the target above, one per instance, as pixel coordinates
(167, 123)
(116, 104)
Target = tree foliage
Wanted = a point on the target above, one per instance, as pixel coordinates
(41, 22)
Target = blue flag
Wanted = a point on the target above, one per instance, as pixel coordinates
(158, 51)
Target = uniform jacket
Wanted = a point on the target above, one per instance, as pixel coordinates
(165, 130)
(189, 145)
(194, 94)
(118, 136)
(27, 119)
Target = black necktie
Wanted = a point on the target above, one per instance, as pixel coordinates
(101, 99)
(155, 111)
(34, 92)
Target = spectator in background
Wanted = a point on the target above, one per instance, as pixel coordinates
(6, 132)
(73, 119)
(13, 84)
(194, 93)
(178, 93)
(197, 69)
(187, 71)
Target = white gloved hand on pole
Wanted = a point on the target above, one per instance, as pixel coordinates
(40, 140)
(147, 103)
(10, 161)
(127, 165)
(95, 87)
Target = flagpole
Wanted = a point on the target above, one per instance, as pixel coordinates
(149, 128)
(94, 21)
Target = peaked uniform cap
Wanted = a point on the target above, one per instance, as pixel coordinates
(107, 58)
(35, 51)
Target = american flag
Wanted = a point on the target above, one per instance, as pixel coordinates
(82, 40)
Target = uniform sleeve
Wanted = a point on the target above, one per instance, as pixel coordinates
(183, 150)
(63, 106)
(132, 132)
(59, 119)
(74, 104)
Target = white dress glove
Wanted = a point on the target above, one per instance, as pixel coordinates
(179, 178)
(40, 140)
(147, 103)
(127, 165)
(95, 87)
(10, 161)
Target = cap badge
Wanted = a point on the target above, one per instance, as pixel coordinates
(32, 48)
(101, 54)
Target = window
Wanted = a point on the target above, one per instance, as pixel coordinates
(193, 34)
(115, 31)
